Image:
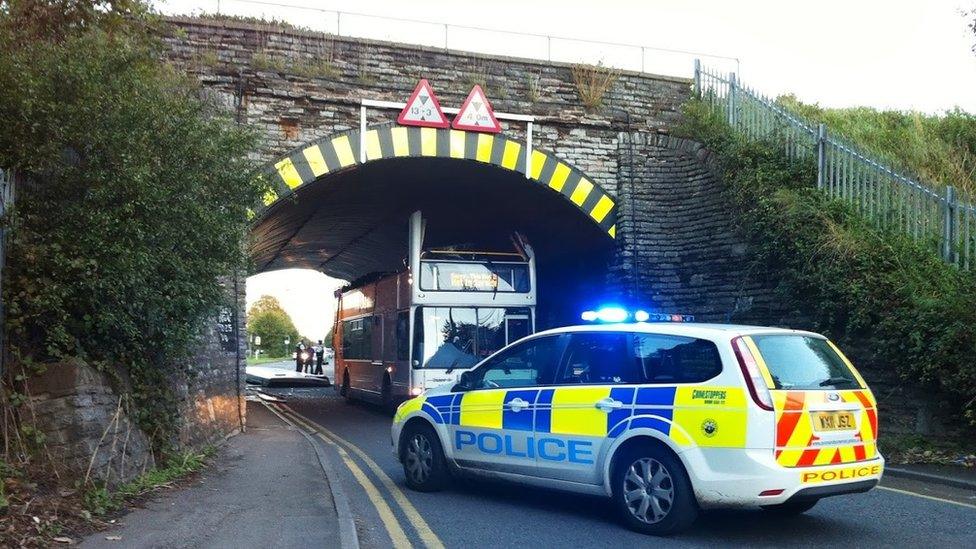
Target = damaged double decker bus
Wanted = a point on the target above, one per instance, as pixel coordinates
(398, 334)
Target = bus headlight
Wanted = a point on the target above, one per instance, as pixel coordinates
(415, 391)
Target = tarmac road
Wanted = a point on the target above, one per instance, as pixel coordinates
(474, 514)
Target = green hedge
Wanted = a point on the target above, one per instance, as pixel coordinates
(137, 202)
(891, 302)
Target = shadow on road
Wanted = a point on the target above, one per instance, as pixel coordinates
(730, 526)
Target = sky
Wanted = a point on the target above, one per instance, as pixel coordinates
(894, 54)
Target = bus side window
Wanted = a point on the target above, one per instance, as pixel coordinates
(356, 338)
(389, 337)
(403, 336)
(376, 341)
(418, 337)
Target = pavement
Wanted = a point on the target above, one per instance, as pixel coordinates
(270, 491)
(950, 475)
(265, 488)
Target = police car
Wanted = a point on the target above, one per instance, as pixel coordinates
(664, 418)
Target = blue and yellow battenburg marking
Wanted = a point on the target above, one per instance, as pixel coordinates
(312, 161)
(707, 416)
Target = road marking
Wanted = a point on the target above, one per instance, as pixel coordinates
(390, 522)
(933, 498)
(426, 534)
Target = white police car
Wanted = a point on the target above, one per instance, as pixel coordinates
(665, 418)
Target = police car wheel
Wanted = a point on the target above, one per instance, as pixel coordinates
(791, 507)
(423, 459)
(652, 492)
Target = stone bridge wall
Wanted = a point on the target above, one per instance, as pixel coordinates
(298, 86)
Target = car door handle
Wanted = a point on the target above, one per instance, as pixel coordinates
(517, 404)
(608, 404)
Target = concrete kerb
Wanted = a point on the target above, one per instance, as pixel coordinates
(348, 537)
(929, 477)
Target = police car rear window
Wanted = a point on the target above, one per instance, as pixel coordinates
(616, 358)
(676, 359)
(804, 363)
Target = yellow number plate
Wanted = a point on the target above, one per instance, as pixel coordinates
(833, 421)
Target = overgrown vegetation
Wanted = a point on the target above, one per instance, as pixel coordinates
(892, 303)
(137, 200)
(532, 92)
(480, 75)
(313, 67)
(938, 149)
(40, 511)
(100, 500)
(593, 82)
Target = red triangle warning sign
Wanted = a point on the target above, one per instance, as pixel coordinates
(476, 114)
(423, 108)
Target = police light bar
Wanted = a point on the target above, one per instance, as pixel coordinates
(619, 314)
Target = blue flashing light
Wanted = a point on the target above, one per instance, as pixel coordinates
(614, 314)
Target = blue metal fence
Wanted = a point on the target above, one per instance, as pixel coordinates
(891, 200)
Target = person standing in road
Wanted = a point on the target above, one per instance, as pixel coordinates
(300, 349)
(319, 356)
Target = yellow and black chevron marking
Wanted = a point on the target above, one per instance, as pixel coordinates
(319, 158)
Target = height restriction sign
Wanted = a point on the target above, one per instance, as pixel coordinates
(423, 109)
(476, 114)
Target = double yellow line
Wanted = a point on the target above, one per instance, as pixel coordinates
(343, 447)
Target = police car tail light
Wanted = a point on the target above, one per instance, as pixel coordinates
(754, 379)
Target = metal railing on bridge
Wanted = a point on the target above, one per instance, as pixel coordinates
(469, 38)
(891, 200)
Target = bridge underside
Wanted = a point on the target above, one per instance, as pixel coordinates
(354, 223)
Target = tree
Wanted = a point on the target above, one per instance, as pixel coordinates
(268, 320)
(137, 202)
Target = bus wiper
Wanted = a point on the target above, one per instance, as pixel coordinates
(452, 366)
(836, 381)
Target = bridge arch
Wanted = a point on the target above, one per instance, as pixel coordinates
(340, 203)
(317, 159)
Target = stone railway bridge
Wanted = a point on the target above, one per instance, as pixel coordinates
(672, 244)
(615, 206)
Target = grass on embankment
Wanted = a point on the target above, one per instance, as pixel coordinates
(890, 302)
(100, 500)
(38, 508)
(252, 361)
(939, 150)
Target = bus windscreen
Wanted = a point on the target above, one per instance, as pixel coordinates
(460, 337)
